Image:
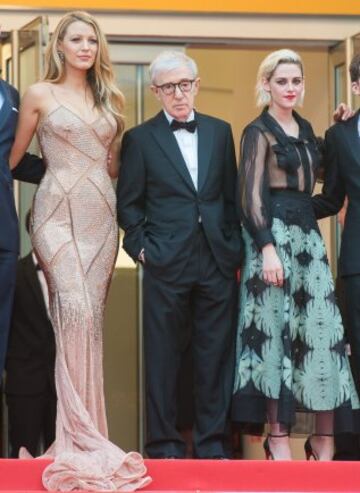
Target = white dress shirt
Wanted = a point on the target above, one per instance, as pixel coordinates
(1, 99)
(188, 144)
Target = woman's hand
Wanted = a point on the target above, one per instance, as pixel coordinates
(273, 272)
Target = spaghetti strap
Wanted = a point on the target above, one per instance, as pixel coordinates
(100, 112)
(54, 96)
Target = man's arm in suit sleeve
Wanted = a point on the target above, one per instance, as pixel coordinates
(30, 169)
(332, 196)
(230, 180)
(130, 193)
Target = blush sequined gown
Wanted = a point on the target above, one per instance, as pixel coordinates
(75, 237)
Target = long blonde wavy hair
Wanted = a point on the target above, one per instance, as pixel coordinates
(100, 76)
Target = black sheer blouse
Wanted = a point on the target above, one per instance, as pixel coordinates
(271, 159)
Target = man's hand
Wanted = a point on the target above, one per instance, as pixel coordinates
(109, 159)
(141, 256)
(342, 113)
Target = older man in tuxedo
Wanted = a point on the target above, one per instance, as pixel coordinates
(31, 170)
(175, 194)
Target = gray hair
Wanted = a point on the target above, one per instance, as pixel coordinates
(267, 69)
(171, 60)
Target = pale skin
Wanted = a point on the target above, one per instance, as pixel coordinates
(286, 87)
(79, 48)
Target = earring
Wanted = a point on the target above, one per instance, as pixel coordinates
(61, 56)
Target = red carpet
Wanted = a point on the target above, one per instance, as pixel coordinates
(209, 475)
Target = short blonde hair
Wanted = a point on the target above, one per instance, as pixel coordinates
(267, 69)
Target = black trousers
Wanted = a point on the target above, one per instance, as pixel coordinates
(8, 261)
(206, 300)
(31, 420)
(352, 301)
(348, 444)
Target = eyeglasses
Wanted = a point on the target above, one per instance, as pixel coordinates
(169, 88)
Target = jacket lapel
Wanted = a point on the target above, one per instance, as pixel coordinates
(6, 108)
(165, 138)
(352, 136)
(205, 142)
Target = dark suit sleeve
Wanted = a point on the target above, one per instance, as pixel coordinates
(130, 194)
(30, 169)
(230, 180)
(16, 96)
(332, 196)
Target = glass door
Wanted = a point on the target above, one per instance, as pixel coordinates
(339, 93)
(354, 49)
(21, 63)
(28, 49)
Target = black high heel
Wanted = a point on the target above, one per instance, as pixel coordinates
(309, 451)
(268, 454)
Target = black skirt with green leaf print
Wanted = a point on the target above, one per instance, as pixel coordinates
(290, 340)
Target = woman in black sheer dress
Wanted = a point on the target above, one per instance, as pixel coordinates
(290, 348)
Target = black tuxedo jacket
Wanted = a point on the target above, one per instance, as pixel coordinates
(158, 205)
(342, 178)
(31, 348)
(30, 169)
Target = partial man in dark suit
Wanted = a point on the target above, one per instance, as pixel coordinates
(342, 178)
(31, 170)
(347, 445)
(30, 362)
(176, 204)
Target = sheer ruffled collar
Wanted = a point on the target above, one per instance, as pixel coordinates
(273, 126)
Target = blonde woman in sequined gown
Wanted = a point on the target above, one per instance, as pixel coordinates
(76, 112)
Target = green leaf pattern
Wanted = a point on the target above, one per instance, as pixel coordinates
(301, 345)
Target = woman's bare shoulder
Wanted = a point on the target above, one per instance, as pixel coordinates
(37, 95)
(39, 89)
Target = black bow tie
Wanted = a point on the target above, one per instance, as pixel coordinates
(189, 126)
(37, 267)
